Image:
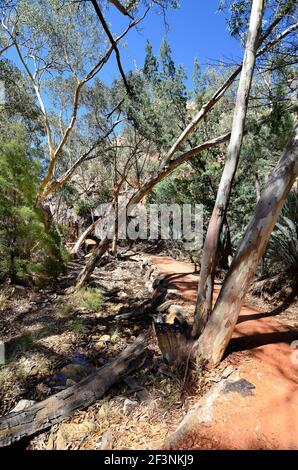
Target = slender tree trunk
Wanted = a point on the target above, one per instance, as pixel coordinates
(208, 262)
(227, 251)
(82, 238)
(218, 331)
(85, 274)
(115, 238)
(87, 271)
(258, 187)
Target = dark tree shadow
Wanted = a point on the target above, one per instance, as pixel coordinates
(277, 311)
(262, 339)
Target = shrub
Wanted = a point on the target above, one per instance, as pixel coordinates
(29, 251)
(282, 251)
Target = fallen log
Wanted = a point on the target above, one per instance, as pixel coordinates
(54, 409)
(148, 307)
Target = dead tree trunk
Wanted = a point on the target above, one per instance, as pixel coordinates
(43, 415)
(208, 262)
(82, 238)
(86, 272)
(218, 331)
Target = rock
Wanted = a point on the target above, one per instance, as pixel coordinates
(122, 295)
(176, 310)
(107, 440)
(128, 405)
(22, 309)
(70, 382)
(105, 338)
(104, 341)
(72, 372)
(214, 378)
(95, 337)
(148, 286)
(227, 371)
(114, 338)
(22, 405)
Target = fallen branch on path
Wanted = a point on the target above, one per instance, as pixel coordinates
(54, 409)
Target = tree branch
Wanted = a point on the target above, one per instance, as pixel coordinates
(121, 8)
(221, 91)
(112, 41)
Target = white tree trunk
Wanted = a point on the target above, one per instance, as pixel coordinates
(218, 331)
(208, 262)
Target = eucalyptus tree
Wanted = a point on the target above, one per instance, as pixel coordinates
(59, 42)
(272, 34)
(208, 263)
(212, 343)
(209, 256)
(19, 105)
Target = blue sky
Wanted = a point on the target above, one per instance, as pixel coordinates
(195, 30)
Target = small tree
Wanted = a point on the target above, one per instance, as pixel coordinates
(27, 251)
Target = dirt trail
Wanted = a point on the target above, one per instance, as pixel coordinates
(266, 418)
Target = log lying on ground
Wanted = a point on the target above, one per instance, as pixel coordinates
(45, 414)
(148, 307)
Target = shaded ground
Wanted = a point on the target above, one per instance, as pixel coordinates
(54, 342)
(52, 345)
(46, 331)
(263, 350)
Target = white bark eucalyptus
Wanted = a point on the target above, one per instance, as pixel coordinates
(208, 262)
(218, 331)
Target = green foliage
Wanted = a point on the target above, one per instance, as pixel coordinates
(83, 206)
(28, 251)
(78, 325)
(65, 309)
(239, 14)
(19, 105)
(282, 251)
(157, 104)
(150, 64)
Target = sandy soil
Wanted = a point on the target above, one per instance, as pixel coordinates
(263, 347)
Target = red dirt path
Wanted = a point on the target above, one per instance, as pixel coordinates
(268, 419)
